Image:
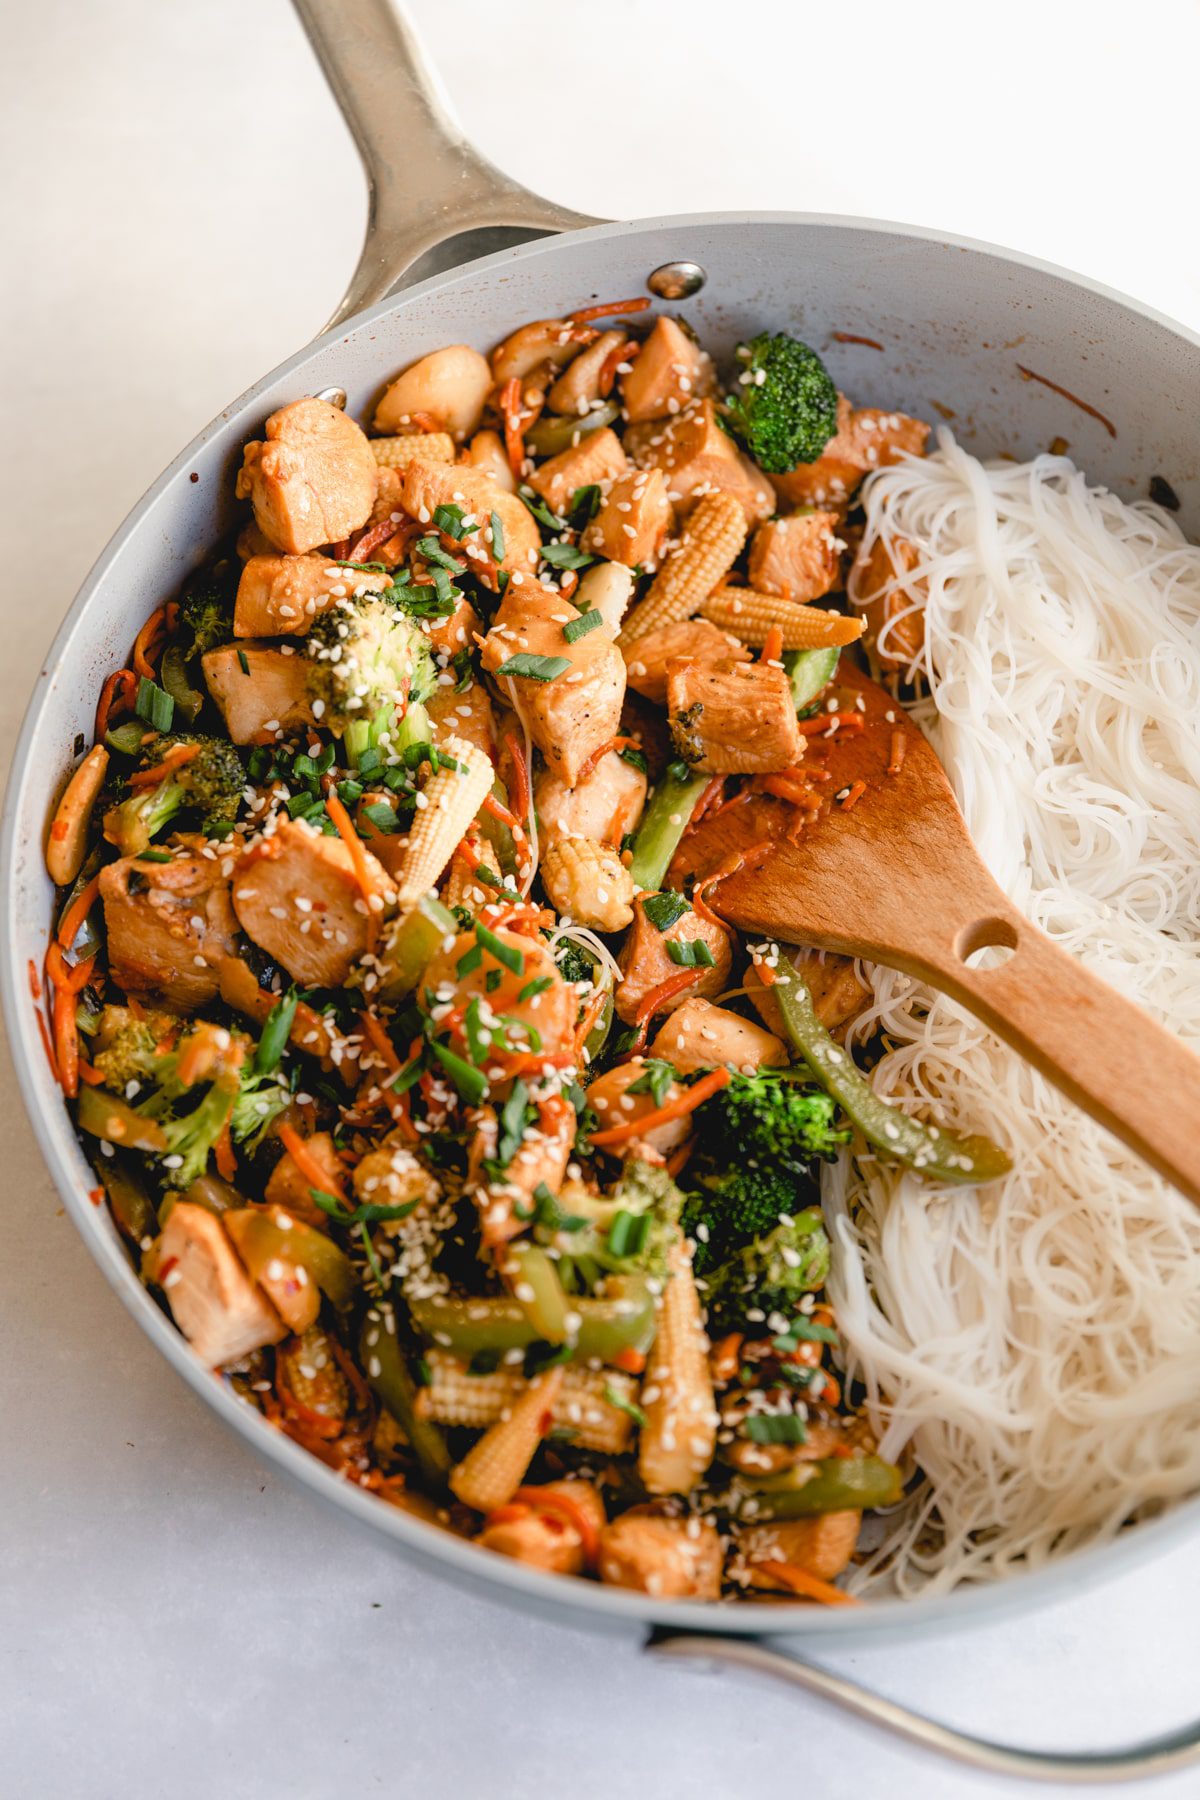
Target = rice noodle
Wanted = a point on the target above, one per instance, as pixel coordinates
(1035, 1344)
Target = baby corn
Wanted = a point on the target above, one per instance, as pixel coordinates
(446, 806)
(494, 1468)
(589, 883)
(419, 447)
(751, 615)
(680, 1432)
(712, 540)
(585, 1404)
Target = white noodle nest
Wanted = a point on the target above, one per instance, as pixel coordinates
(1035, 1345)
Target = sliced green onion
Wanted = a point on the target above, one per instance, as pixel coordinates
(534, 668)
(156, 706)
(577, 628)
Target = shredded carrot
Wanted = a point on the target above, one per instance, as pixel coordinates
(604, 312)
(790, 1575)
(629, 1360)
(35, 986)
(709, 802)
(678, 1162)
(679, 1108)
(66, 977)
(223, 1152)
(77, 912)
(90, 1076)
(772, 648)
(739, 859)
(66, 1042)
(608, 368)
(851, 337)
(829, 722)
(591, 1013)
(397, 1104)
(521, 797)
(725, 1355)
(143, 642)
(899, 747)
(666, 990)
(175, 758)
(116, 696)
(326, 1181)
(766, 974)
(616, 743)
(501, 812)
(358, 858)
(542, 1501)
(371, 538)
(512, 415)
(855, 794)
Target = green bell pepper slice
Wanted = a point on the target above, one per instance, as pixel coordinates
(834, 1484)
(391, 1381)
(624, 1320)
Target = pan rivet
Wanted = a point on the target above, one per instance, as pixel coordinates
(335, 396)
(677, 280)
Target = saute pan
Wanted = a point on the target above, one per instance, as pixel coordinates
(1014, 352)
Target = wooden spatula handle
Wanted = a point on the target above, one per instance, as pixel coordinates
(1128, 1072)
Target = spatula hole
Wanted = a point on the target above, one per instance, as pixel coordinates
(986, 943)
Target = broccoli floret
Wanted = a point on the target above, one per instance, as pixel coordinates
(770, 1274)
(260, 1100)
(127, 1046)
(757, 1141)
(209, 782)
(784, 408)
(627, 1233)
(206, 607)
(574, 963)
(365, 657)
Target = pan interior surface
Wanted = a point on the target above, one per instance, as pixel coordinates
(904, 319)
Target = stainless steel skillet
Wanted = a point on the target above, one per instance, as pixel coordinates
(965, 331)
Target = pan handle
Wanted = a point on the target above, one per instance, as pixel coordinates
(1152, 1756)
(427, 183)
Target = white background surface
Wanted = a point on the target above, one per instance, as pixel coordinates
(181, 208)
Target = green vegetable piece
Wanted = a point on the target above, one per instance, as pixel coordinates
(470, 1082)
(391, 1380)
(535, 668)
(565, 556)
(555, 433)
(261, 1239)
(538, 1292)
(625, 1319)
(410, 944)
(275, 1033)
(497, 525)
(936, 1154)
(174, 676)
(665, 909)
(784, 407)
(775, 1428)
(131, 1205)
(508, 954)
(809, 671)
(770, 1274)
(664, 822)
(574, 629)
(126, 738)
(154, 705)
(106, 1116)
(690, 953)
(835, 1484)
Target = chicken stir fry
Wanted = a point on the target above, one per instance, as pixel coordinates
(428, 1087)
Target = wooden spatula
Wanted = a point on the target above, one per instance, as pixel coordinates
(894, 877)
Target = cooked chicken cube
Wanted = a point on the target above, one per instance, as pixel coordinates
(693, 640)
(646, 962)
(633, 521)
(540, 1161)
(578, 388)
(866, 439)
(571, 710)
(468, 715)
(550, 1011)
(546, 1536)
(820, 1546)
(280, 596)
(669, 372)
(733, 718)
(604, 806)
(798, 557)
(169, 927)
(313, 481)
(449, 385)
(456, 632)
(596, 459)
(672, 1559)
(285, 1282)
(612, 1102)
(261, 690)
(220, 1311)
(697, 458)
(298, 897)
(426, 486)
(894, 606)
(699, 1035)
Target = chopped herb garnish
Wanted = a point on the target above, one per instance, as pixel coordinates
(665, 909)
(369, 761)
(497, 537)
(533, 988)
(479, 1039)
(577, 628)
(300, 805)
(679, 770)
(470, 1082)
(154, 856)
(631, 1407)
(583, 505)
(492, 980)
(513, 1118)
(551, 1215)
(244, 660)
(565, 556)
(628, 1232)
(367, 568)
(350, 792)
(540, 510)
(275, 1033)
(655, 1079)
(805, 1329)
(635, 758)
(464, 674)
(432, 551)
(156, 706)
(531, 1034)
(333, 1209)
(382, 817)
(775, 1428)
(535, 668)
(469, 961)
(452, 520)
(508, 954)
(691, 953)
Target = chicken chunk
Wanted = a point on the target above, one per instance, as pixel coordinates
(697, 457)
(426, 486)
(455, 632)
(289, 1187)
(604, 806)
(633, 521)
(169, 927)
(699, 1035)
(545, 1536)
(669, 372)
(286, 1283)
(692, 640)
(733, 718)
(821, 1546)
(597, 458)
(296, 894)
(541, 1160)
(798, 557)
(578, 388)
(469, 715)
(551, 1012)
(280, 596)
(610, 1099)
(450, 385)
(866, 439)
(260, 689)
(646, 963)
(577, 711)
(313, 481)
(894, 614)
(673, 1559)
(220, 1311)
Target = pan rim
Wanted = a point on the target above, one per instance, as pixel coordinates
(427, 1545)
